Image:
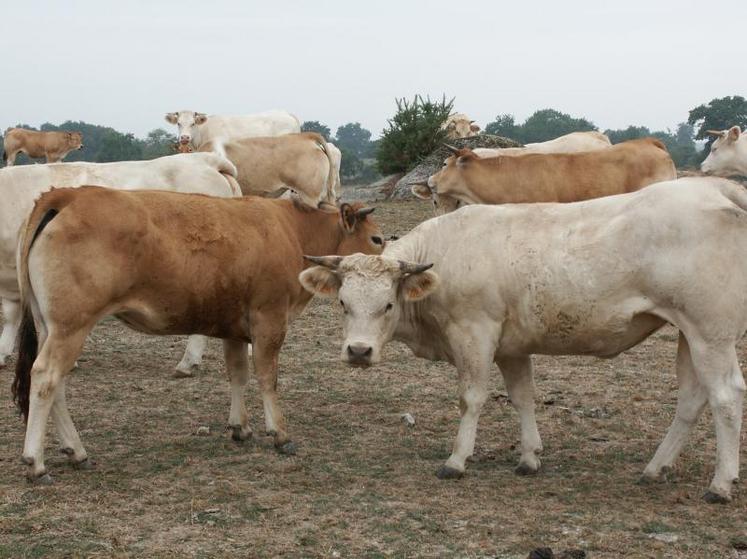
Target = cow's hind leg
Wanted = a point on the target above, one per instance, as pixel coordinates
(517, 373)
(70, 443)
(237, 365)
(192, 357)
(55, 360)
(691, 400)
(12, 317)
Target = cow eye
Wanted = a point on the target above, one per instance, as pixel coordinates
(345, 310)
(388, 307)
(377, 240)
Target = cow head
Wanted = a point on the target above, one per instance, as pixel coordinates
(449, 187)
(372, 291)
(74, 140)
(442, 204)
(728, 154)
(460, 126)
(359, 233)
(188, 123)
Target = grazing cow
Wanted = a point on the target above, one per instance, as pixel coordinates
(728, 154)
(458, 126)
(206, 173)
(590, 278)
(199, 128)
(569, 143)
(166, 263)
(546, 177)
(54, 146)
(300, 162)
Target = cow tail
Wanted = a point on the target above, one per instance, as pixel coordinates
(333, 176)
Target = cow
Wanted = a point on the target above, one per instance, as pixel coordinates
(569, 143)
(166, 263)
(546, 177)
(728, 155)
(458, 126)
(198, 128)
(500, 283)
(54, 146)
(206, 173)
(303, 163)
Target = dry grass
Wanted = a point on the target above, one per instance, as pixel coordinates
(361, 485)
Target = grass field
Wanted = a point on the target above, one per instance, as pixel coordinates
(362, 483)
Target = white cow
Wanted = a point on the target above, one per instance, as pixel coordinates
(588, 278)
(199, 128)
(728, 153)
(569, 143)
(459, 125)
(205, 173)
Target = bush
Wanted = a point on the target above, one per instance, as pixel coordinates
(412, 133)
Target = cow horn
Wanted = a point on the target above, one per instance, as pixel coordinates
(363, 212)
(410, 268)
(452, 149)
(331, 262)
(715, 132)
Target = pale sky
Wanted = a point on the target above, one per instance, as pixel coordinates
(126, 63)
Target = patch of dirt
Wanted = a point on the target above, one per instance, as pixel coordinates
(362, 483)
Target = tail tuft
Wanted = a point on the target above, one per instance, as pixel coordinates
(28, 347)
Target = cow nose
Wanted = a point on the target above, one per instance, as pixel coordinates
(359, 354)
(184, 139)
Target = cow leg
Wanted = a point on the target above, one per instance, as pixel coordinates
(517, 374)
(53, 158)
(12, 316)
(55, 360)
(473, 362)
(192, 357)
(691, 400)
(268, 333)
(237, 366)
(71, 444)
(11, 155)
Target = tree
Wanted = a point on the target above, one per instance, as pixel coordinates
(547, 124)
(116, 146)
(354, 139)
(629, 133)
(719, 114)
(503, 125)
(316, 126)
(157, 143)
(412, 133)
(679, 144)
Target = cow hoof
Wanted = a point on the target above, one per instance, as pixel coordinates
(525, 470)
(289, 448)
(84, 465)
(239, 435)
(715, 499)
(43, 480)
(447, 472)
(67, 451)
(182, 372)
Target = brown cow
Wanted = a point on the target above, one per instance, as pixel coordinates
(54, 146)
(166, 263)
(550, 177)
(303, 163)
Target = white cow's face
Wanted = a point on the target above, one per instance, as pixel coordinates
(187, 123)
(371, 291)
(728, 155)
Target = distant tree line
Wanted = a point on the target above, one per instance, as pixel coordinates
(356, 146)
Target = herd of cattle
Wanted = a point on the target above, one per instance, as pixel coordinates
(572, 246)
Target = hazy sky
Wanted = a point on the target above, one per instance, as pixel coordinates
(126, 63)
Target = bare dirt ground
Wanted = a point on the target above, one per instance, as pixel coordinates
(362, 484)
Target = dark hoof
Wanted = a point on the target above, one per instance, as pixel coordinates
(43, 480)
(181, 373)
(238, 436)
(447, 472)
(525, 470)
(84, 465)
(289, 448)
(715, 499)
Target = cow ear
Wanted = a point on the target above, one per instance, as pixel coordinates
(419, 286)
(734, 133)
(421, 190)
(172, 118)
(347, 217)
(474, 127)
(200, 118)
(320, 281)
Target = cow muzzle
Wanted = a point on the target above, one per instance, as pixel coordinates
(185, 139)
(358, 355)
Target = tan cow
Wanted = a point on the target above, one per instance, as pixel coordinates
(54, 146)
(459, 125)
(555, 177)
(300, 162)
(166, 263)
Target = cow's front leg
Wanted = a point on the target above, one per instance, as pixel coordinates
(268, 333)
(473, 357)
(517, 374)
(12, 317)
(237, 365)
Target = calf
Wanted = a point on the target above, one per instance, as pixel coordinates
(166, 263)
(591, 278)
(54, 146)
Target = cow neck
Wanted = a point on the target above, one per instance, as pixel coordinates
(321, 234)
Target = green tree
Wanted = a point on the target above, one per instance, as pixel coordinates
(629, 133)
(719, 114)
(115, 146)
(503, 125)
(354, 139)
(547, 124)
(158, 143)
(316, 126)
(412, 133)
(351, 165)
